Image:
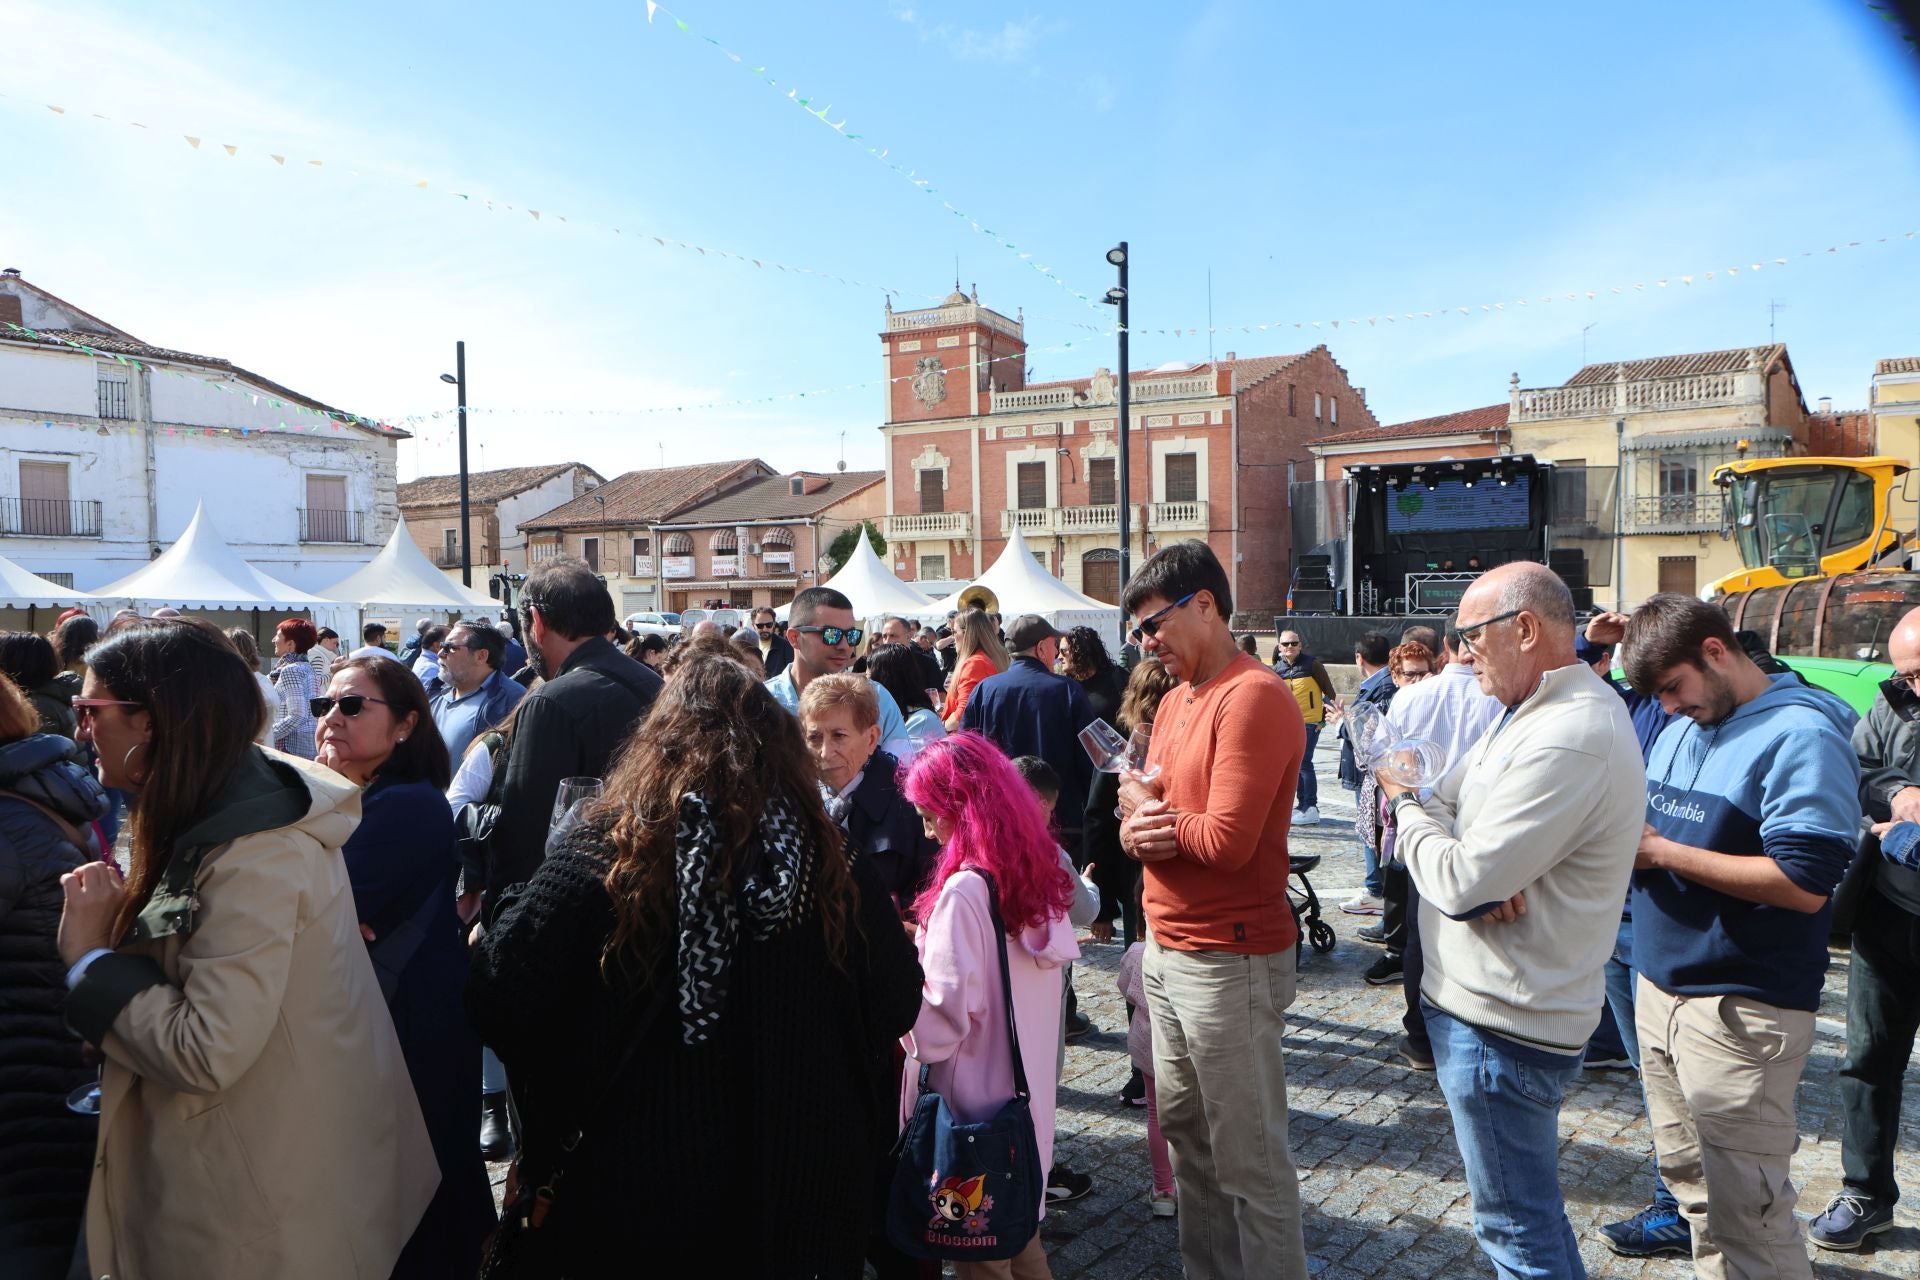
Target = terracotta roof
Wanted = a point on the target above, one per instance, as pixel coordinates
(117, 343)
(1732, 360)
(1465, 422)
(1246, 371)
(773, 498)
(1847, 434)
(646, 497)
(483, 486)
(1898, 364)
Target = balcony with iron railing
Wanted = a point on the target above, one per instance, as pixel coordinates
(49, 518)
(323, 524)
(449, 557)
(928, 525)
(1675, 513)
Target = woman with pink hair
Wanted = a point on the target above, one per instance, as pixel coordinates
(987, 819)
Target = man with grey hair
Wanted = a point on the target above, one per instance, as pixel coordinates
(1521, 854)
(897, 630)
(413, 646)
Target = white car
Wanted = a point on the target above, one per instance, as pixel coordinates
(664, 625)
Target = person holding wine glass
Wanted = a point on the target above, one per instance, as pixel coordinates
(255, 1121)
(375, 729)
(48, 805)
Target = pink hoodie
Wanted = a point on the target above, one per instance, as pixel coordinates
(961, 1029)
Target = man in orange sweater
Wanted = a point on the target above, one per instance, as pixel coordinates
(1211, 833)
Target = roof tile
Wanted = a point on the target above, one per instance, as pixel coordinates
(772, 498)
(646, 497)
(483, 486)
(1732, 360)
(1493, 417)
(1898, 364)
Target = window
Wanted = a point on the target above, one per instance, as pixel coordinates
(113, 395)
(933, 491)
(1101, 489)
(449, 547)
(44, 506)
(1316, 406)
(643, 546)
(60, 579)
(1679, 477)
(796, 487)
(590, 552)
(1853, 519)
(1183, 477)
(1032, 485)
(1292, 411)
(1333, 411)
(678, 544)
(740, 599)
(933, 568)
(327, 518)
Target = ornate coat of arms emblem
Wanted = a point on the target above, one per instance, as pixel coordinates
(930, 380)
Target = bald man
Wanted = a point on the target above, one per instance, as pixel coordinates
(1521, 855)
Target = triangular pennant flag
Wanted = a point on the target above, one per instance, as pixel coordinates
(229, 148)
(280, 160)
(652, 8)
(192, 141)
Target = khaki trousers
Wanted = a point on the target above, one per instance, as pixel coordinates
(1221, 1086)
(1720, 1074)
(1028, 1264)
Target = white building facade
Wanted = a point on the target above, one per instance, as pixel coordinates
(107, 445)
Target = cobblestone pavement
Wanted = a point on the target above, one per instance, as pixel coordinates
(1382, 1188)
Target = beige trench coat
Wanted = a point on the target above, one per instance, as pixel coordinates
(257, 1119)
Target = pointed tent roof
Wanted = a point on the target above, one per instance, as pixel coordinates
(872, 586)
(401, 578)
(22, 589)
(1022, 586)
(200, 571)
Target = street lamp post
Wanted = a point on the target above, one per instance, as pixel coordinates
(1118, 297)
(459, 379)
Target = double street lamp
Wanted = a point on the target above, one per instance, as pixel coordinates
(1117, 297)
(458, 378)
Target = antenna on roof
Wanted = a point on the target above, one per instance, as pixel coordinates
(956, 273)
(843, 449)
(1209, 314)
(1774, 308)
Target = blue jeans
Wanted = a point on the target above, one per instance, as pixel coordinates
(1306, 793)
(1620, 976)
(1373, 884)
(1505, 1101)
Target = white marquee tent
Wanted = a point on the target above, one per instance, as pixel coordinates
(201, 572)
(1022, 586)
(872, 588)
(402, 580)
(21, 589)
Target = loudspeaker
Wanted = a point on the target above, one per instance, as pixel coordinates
(1314, 578)
(1561, 556)
(1317, 562)
(1582, 599)
(1312, 600)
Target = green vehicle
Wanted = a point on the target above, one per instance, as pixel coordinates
(1857, 683)
(1832, 630)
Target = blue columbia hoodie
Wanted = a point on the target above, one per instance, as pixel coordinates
(1776, 779)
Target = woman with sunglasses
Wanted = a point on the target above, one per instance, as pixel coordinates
(293, 679)
(375, 729)
(255, 1121)
(982, 654)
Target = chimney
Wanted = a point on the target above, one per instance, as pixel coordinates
(1826, 404)
(1231, 357)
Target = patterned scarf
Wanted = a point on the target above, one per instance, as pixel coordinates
(776, 892)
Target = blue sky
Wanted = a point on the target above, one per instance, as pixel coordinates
(1324, 162)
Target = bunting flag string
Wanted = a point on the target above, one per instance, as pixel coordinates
(1651, 284)
(881, 154)
(543, 216)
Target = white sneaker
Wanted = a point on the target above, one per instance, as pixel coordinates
(1306, 817)
(1363, 904)
(1164, 1204)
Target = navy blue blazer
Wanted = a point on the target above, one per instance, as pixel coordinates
(1029, 711)
(887, 830)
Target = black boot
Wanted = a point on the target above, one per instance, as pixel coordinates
(496, 1135)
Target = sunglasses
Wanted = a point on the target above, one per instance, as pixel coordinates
(350, 704)
(765, 626)
(1150, 625)
(1289, 644)
(83, 708)
(835, 635)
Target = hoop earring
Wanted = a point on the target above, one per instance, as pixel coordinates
(127, 768)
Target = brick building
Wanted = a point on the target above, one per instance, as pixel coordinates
(974, 451)
(496, 503)
(761, 542)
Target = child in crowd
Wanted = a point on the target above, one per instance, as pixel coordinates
(1140, 1049)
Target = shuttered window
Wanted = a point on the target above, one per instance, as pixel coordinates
(1183, 477)
(1032, 484)
(1100, 484)
(933, 491)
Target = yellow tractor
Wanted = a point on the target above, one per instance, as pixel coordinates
(1799, 518)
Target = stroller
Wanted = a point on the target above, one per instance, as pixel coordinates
(1306, 906)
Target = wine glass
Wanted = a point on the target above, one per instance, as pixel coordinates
(1105, 747)
(1412, 762)
(574, 795)
(85, 1100)
(1137, 748)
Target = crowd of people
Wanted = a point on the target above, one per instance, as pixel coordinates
(690, 929)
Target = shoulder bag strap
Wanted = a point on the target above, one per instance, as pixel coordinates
(67, 829)
(1020, 1089)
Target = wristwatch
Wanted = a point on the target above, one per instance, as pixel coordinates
(1402, 800)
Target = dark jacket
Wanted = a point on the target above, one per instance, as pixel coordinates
(401, 862)
(1029, 711)
(1888, 749)
(1103, 692)
(739, 1156)
(886, 828)
(54, 702)
(1114, 873)
(569, 727)
(43, 1177)
(1377, 689)
(778, 655)
(514, 658)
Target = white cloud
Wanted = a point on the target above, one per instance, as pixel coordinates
(1015, 41)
